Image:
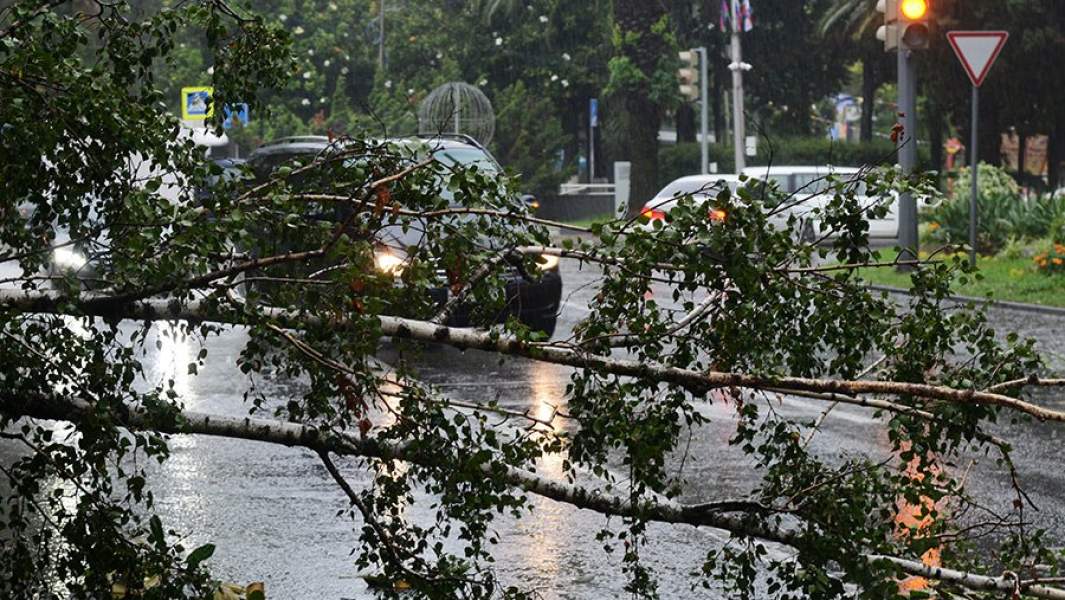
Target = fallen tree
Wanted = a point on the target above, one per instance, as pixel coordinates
(756, 315)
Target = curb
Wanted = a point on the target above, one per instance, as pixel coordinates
(1038, 309)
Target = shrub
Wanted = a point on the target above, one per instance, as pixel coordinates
(1003, 213)
(1057, 224)
(994, 182)
(1052, 262)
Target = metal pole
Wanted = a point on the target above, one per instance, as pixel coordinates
(739, 127)
(458, 108)
(704, 98)
(974, 170)
(907, 154)
(591, 153)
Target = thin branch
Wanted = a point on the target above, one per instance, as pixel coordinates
(1005, 583)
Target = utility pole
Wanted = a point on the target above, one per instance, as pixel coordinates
(739, 126)
(704, 99)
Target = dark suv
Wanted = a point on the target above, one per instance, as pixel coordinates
(533, 299)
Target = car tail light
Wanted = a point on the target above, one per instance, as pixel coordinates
(653, 214)
(717, 215)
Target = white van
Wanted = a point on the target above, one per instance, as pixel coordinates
(811, 189)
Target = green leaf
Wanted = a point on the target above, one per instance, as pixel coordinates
(199, 555)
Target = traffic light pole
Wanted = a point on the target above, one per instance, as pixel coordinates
(907, 153)
(704, 97)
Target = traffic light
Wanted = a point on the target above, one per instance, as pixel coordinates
(906, 22)
(916, 24)
(688, 75)
(889, 31)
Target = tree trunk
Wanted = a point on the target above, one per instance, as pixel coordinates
(936, 127)
(686, 124)
(643, 152)
(990, 132)
(1055, 157)
(1022, 144)
(643, 48)
(717, 91)
(870, 83)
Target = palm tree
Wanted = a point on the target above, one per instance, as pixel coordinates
(855, 17)
(489, 9)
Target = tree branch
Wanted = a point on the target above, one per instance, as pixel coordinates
(695, 381)
(1006, 583)
(733, 517)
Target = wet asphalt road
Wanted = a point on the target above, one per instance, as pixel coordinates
(271, 511)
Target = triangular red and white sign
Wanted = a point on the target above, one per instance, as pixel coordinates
(977, 51)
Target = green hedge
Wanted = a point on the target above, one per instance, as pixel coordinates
(683, 159)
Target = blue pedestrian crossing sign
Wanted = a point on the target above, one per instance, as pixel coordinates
(235, 113)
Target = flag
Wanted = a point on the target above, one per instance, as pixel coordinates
(736, 14)
(746, 18)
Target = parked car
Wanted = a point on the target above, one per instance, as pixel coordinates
(534, 299)
(811, 188)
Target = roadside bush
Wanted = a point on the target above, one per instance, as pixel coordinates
(1057, 224)
(683, 159)
(994, 182)
(1052, 262)
(1003, 213)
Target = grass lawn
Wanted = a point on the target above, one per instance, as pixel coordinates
(1012, 279)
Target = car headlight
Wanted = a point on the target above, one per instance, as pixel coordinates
(386, 261)
(69, 259)
(547, 262)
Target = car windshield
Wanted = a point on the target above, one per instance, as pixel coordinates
(783, 182)
(816, 183)
(811, 183)
(466, 157)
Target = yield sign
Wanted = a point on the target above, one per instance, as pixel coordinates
(977, 51)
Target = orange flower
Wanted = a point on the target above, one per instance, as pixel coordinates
(1060, 249)
(1057, 261)
(933, 226)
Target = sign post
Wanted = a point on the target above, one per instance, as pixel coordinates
(977, 51)
(593, 123)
